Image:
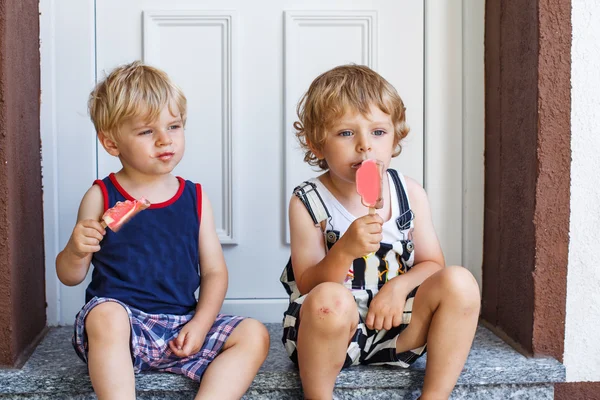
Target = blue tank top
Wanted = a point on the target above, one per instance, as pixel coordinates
(152, 262)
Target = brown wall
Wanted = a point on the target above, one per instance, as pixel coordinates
(553, 193)
(527, 176)
(577, 391)
(22, 288)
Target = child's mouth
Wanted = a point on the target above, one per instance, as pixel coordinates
(165, 156)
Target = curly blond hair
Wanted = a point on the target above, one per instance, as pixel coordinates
(332, 94)
(131, 91)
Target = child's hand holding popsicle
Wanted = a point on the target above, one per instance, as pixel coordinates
(369, 185)
(364, 235)
(88, 233)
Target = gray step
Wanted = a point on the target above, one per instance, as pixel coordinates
(501, 392)
(493, 371)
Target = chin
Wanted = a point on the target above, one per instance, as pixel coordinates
(346, 176)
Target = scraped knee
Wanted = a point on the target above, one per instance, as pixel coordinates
(330, 307)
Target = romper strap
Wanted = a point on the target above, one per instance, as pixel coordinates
(406, 214)
(309, 196)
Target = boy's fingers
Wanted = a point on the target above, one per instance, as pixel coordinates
(173, 347)
(378, 324)
(91, 240)
(94, 233)
(387, 323)
(94, 225)
(374, 219)
(374, 228)
(397, 320)
(180, 340)
(187, 348)
(370, 319)
(376, 238)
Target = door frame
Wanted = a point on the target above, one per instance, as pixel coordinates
(453, 127)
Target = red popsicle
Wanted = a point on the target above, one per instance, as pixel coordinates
(123, 211)
(369, 185)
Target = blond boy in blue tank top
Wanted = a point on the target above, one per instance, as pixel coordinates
(141, 313)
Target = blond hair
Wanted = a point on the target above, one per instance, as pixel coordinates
(131, 91)
(341, 89)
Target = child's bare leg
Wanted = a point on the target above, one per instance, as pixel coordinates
(445, 314)
(328, 319)
(109, 355)
(244, 352)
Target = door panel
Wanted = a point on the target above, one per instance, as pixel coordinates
(243, 67)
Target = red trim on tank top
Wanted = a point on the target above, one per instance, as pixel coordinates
(104, 192)
(127, 196)
(199, 200)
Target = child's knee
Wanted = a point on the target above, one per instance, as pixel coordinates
(460, 285)
(330, 304)
(107, 321)
(252, 334)
(257, 334)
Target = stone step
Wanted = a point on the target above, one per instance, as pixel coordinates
(493, 371)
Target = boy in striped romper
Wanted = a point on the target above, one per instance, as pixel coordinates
(141, 311)
(368, 288)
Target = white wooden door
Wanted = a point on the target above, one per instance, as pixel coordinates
(243, 66)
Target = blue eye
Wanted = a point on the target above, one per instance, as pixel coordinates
(346, 133)
(379, 132)
(172, 127)
(147, 132)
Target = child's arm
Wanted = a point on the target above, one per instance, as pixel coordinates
(213, 286)
(428, 253)
(73, 263)
(312, 264)
(387, 306)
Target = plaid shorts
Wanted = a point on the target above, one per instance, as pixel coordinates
(367, 346)
(150, 337)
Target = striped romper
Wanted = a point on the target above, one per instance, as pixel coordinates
(365, 276)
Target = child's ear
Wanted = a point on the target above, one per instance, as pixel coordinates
(109, 145)
(313, 149)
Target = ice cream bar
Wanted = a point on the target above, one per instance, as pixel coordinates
(123, 211)
(369, 185)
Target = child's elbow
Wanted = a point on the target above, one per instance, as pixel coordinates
(303, 286)
(70, 283)
(68, 279)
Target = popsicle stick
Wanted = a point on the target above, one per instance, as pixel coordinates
(371, 212)
(103, 223)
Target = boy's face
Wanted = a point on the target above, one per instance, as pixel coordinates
(355, 138)
(150, 147)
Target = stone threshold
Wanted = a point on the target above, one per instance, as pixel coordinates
(55, 371)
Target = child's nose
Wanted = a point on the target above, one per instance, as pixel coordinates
(164, 138)
(364, 145)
